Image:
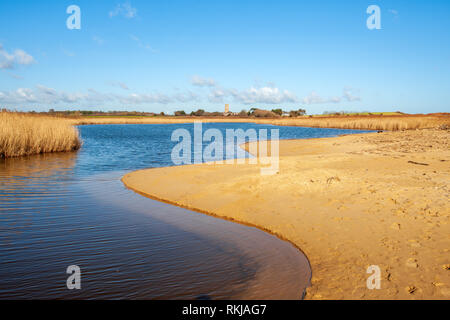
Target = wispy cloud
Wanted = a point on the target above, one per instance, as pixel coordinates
(68, 53)
(202, 82)
(349, 94)
(123, 86)
(125, 10)
(49, 96)
(15, 76)
(315, 98)
(119, 84)
(141, 44)
(185, 97)
(394, 12)
(266, 95)
(9, 60)
(269, 94)
(98, 40)
(217, 95)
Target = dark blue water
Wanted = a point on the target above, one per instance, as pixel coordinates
(67, 209)
(131, 147)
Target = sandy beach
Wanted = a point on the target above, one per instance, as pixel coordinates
(347, 202)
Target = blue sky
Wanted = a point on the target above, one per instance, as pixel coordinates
(170, 55)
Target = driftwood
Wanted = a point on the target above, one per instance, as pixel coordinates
(421, 164)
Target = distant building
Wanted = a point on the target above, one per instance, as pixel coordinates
(227, 110)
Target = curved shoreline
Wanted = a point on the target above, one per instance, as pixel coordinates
(212, 214)
(338, 259)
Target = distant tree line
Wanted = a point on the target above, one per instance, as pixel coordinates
(253, 112)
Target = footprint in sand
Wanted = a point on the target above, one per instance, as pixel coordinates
(411, 263)
(411, 289)
(395, 226)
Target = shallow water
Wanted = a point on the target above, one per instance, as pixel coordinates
(67, 209)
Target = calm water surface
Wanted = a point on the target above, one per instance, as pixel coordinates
(67, 209)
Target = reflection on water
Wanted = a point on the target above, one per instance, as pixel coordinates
(67, 209)
(127, 246)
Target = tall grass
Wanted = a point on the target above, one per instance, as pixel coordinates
(390, 123)
(25, 134)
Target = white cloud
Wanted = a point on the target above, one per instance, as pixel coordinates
(11, 60)
(315, 98)
(119, 84)
(137, 98)
(202, 82)
(52, 96)
(46, 90)
(351, 94)
(269, 95)
(159, 98)
(254, 95)
(49, 96)
(394, 12)
(21, 95)
(125, 10)
(186, 97)
(123, 86)
(142, 44)
(22, 57)
(98, 40)
(68, 53)
(217, 95)
(15, 76)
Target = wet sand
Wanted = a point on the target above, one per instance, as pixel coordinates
(348, 202)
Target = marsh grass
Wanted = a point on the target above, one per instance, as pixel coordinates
(26, 134)
(372, 122)
(388, 123)
(23, 134)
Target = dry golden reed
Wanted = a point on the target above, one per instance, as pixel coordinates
(25, 134)
(389, 123)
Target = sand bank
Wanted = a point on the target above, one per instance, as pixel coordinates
(347, 202)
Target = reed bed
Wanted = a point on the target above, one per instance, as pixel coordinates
(25, 134)
(388, 123)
